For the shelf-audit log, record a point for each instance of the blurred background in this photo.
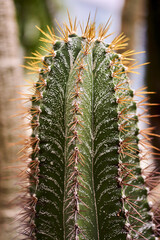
(138, 19)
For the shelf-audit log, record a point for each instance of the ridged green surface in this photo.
(90, 185)
(50, 191)
(86, 220)
(106, 143)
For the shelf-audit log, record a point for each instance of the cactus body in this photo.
(85, 176)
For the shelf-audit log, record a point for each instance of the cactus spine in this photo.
(84, 155)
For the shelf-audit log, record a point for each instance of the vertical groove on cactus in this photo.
(84, 172)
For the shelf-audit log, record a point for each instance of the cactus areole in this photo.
(84, 175)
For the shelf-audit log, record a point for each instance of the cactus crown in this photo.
(83, 156)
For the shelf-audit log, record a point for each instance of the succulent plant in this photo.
(83, 177)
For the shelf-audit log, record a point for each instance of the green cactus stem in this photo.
(84, 151)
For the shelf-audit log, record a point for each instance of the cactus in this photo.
(84, 153)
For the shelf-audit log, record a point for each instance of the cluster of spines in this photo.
(29, 152)
(148, 154)
(31, 146)
(128, 146)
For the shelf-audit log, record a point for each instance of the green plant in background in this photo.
(84, 153)
(30, 12)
